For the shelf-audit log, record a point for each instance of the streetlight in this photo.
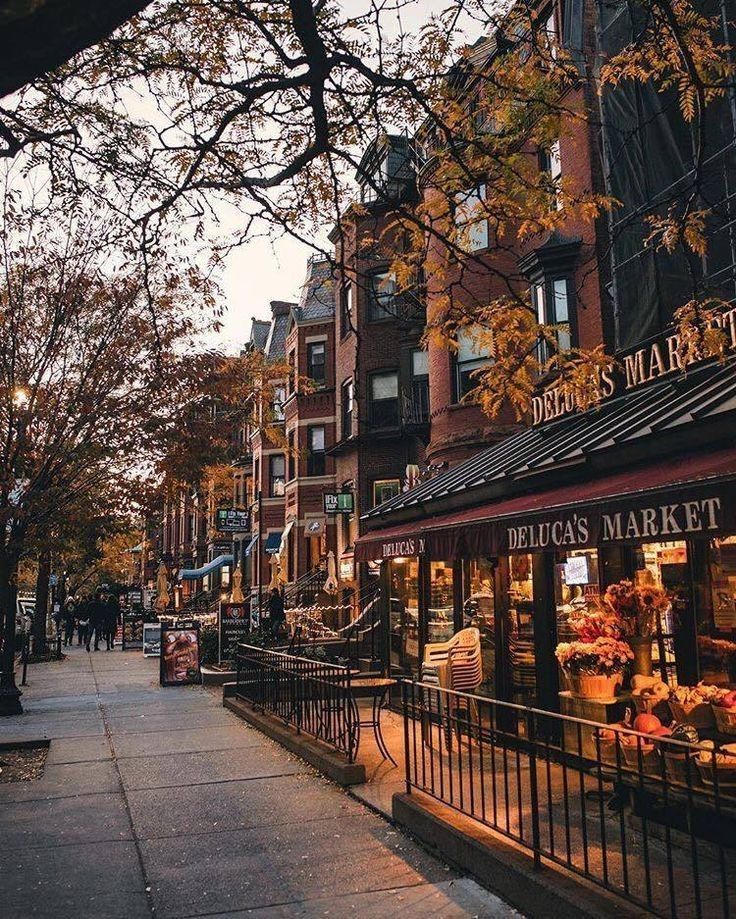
(21, 398)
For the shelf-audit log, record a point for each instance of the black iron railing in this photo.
(312, 696)
(647, 818)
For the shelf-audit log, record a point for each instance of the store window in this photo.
(440, 616)
(577, 587)
(385, 489)
(471, 356)
(479, 613)
(521, 614)
(471, 224)
(716, 615)
(404, 617)
(384, 407)
(551, 302)
(276, 475)
(381, 296)
(316, 369)
(316, 461)
(347, 399)
(665, 564)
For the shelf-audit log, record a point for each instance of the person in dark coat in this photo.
(96, 620)
(70, 609)
(83, 620)
(112, 614)
(276, 613)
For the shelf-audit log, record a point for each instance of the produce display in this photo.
(688, 696)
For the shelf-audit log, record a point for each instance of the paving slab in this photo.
(171, 721)
(230, 737)
(258, 867)
(202, 768)
(237, 805)
(100, 880)
(64, 821)
(449, 900)
(78, 750)
(49, 728)
(64, 781)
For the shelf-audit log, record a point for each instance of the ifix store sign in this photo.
(645, 365)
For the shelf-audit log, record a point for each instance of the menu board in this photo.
(151, 639)
(180, 655)
(132, 631)
(234, 626)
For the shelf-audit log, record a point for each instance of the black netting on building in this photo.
(651, 156)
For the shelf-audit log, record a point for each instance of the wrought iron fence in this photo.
(650, 819)
(313, 696)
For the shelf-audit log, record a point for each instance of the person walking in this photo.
(70, 609)
(276, 613)
(83, 621)
(112, 614)
(96, 620)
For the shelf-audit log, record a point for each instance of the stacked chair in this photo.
(453, 664)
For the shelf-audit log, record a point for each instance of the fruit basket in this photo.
(680, 771)
(725, 719)
(648, 762)
(699, 713)
(720, 766)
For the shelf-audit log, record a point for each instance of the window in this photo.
(346, 309)
(381, 296)
(471, 356)
(316, 361)
(347, 398)
(550, 162)
(418, 407)
(472, 226)
(385, 399)
(385, 489)
(550, 300)
(279, 396)
(276, 475)
(316, 450)
(292, 459)
(291, 382)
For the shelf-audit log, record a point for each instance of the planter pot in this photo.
(642, 648)
(590, 686)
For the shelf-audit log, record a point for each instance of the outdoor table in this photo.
(376, 688)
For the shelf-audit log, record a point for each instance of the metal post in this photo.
(533, 790)
(26, 649)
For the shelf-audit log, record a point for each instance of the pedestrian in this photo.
(96, 620)
(83, 621)
(276, 614)
(112, 615)
(70, 609)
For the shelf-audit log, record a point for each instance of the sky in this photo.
(262, 270)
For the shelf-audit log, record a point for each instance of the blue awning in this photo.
(251, 545)
(273, 543)
(192, 574)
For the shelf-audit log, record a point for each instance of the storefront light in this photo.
(399, 561)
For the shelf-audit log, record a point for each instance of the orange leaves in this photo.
(673, 230)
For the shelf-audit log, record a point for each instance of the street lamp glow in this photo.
(21, 398)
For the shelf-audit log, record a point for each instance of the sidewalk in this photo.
(158, 802)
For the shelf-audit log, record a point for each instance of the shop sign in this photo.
(180, 655)
(232, 520)
(151, 639)
(339, 503)
(403, 548)
(638, 368)
(347, 569)
(233, 625)
(315, 527)
(132, 631)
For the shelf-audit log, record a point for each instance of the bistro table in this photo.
(376, 688)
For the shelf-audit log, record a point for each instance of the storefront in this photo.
(518, 567)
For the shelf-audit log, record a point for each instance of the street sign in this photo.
(53, 580)
(340, 503)
(232, 520)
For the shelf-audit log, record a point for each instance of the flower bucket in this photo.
(594, 686)
(642, 648)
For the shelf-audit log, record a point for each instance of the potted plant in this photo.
(637, 609)
(594, 669)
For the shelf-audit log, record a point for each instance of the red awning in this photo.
(559, 518)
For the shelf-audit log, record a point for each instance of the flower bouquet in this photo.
(594, 668)
(637, 608)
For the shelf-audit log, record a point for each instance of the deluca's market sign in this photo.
(645, 365)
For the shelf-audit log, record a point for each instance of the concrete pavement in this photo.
(158, 802)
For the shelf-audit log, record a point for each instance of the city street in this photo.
(158, 802)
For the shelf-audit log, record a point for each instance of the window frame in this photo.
(274, 478)
(546, 285)
(346, 430)
(316, 459)
(373, 402)
(465, 368)
(478, 235)
(312, 346)
(347, 308)
(375, 309)
(384, 482)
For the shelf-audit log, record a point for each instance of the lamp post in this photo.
(9, 692)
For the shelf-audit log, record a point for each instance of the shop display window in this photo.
(716, 614)
(521, 630)
(577, 586)
(440, 619)
(404, 614)
(665, 564)
(479, 612)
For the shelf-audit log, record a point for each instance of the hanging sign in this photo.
(232, 520)
(180, 655)
(339, 503)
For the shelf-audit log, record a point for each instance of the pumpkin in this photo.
(646, 724)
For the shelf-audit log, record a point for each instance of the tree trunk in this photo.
(8, 605)
(42, 602)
